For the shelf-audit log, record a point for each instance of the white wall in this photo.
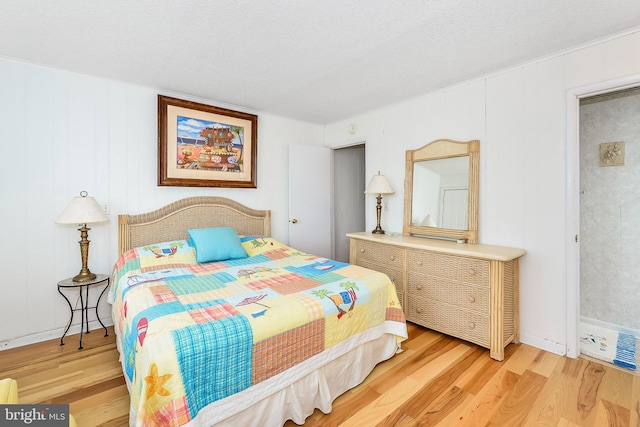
(520, 118)
(62, 133)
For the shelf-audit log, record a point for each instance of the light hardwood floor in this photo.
(436, 381)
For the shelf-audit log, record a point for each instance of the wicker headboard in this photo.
(172, 221)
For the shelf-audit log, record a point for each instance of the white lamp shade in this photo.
(428, 221)
(379, 185)
(82, 210)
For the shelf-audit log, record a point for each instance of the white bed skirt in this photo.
(317, 389)
(297, 392)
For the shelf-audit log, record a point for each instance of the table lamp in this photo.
(83, 210)
(379, 185)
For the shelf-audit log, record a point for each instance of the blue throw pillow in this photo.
(216, 244)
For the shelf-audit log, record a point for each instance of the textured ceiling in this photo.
(316, 61)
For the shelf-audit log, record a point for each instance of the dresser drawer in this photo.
(467, 325)
(470, 297)
(387, 255)
(468, 270)
(394, 274)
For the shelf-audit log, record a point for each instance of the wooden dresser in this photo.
(467, 291)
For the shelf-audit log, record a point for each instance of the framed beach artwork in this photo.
(201, 145)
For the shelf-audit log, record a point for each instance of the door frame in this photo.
(573, 98)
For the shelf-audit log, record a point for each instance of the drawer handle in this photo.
(472, 299)
(362, 250)
(419, 287)
(392, 258)
(419, 310)
(472, 325)
(472, 271)
(420, 263)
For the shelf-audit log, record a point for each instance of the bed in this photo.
(218, 323)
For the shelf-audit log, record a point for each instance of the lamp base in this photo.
(84, 276)
(378, 229)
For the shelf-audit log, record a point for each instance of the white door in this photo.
(454, 208)
(310, 199)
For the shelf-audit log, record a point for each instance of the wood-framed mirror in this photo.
(441, 189)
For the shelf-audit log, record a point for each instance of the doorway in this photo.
(348, 197)
(586, 224)
(326, 198)
(609, 207)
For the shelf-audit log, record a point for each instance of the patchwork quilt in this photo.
(193, 333)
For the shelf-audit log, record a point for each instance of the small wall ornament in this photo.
(612, 154)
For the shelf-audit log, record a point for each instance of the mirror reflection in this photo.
(441, 193)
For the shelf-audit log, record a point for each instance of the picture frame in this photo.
(201, 145)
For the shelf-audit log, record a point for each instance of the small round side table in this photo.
(84, 302)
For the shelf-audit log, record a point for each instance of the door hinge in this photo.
(576, 238)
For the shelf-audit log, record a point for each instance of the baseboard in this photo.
(543, 344)
(48, 335)
(611, 326)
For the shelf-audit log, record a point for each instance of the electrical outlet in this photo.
(107, 211)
